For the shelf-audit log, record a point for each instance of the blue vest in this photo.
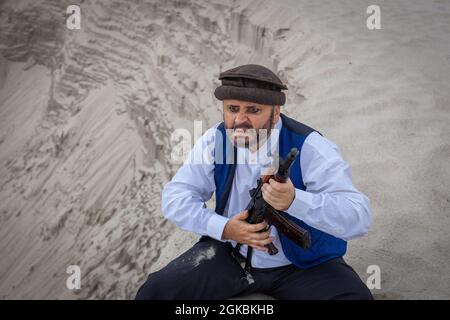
(293, 133)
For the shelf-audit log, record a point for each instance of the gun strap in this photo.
(248, 259)
(245, 264)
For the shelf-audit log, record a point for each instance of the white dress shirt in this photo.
(330, 203)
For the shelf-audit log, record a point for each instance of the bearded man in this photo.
(319, 196)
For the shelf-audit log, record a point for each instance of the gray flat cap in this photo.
(251, 82)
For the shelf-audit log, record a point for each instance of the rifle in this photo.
(260, 210)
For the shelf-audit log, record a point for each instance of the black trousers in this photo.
(208, 271)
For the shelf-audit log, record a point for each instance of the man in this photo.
(319, 196)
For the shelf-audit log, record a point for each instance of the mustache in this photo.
(243, 126)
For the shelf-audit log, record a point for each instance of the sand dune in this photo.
(87, 115)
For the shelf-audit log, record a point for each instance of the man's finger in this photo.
(260, 235)
(269, 198)
(272, 191)
(257, 227)
(261, 243)
(266, 241)
(259, 248)
(242, 215)
(275, 185)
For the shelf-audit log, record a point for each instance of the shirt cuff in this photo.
(215, 226)
(302, 203)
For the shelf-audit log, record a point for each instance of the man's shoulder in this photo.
(314, 139)
(322, 146)
(296, 126)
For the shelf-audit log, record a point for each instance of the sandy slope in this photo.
(86, 119)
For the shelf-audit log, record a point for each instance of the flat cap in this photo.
(251, 82)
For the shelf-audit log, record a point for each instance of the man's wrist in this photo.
(292, 201)
(215, 226)
(301, 204)
(225, 235)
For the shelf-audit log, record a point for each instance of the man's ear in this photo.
(276, 114)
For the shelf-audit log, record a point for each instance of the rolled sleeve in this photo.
(303, 201)
(215, 226)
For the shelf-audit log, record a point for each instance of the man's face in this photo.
(247, 119)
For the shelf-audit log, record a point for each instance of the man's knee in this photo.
(151, 289)
(164, 285)
(360, 292)
(364, 294)
(332, 280)
(181, 277)
(352, 286)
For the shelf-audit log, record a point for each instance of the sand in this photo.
(87, 116)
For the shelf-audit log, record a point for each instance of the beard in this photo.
(244, 135)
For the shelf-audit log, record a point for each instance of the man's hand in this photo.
(239, 230)
(279, 195)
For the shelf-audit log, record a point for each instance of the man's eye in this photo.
(254, 110)
(234, 109)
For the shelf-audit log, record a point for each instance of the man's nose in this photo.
(240, 118)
